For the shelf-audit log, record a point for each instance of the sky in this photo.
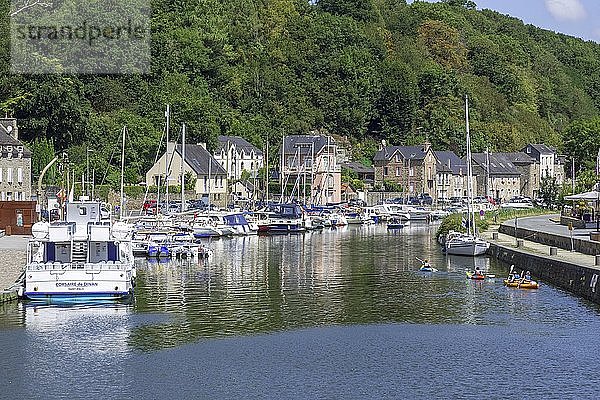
(579, 18)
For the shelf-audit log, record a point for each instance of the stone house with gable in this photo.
(15, 163)
(411, 167)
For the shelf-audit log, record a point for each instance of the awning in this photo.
(588, 196)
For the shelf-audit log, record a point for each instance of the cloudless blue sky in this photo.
(579, 18)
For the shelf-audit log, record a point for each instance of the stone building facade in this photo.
(15, 163)
(411, 167)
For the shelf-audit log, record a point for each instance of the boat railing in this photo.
(60, 266)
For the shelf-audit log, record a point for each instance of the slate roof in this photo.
(199, 158)
(293, 143)
(448, 161)
(239, 142)
(519, 158)
(407, 152)
(6, 139)
(542, 148)
(500, 163)
(358, 167)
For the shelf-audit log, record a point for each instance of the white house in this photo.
(211, 178)
(236, 155)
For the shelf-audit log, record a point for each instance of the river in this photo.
(337, 314)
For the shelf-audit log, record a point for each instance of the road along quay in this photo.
(573, 271)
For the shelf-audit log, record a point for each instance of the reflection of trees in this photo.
(265, 284)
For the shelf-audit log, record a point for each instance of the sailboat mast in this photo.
(122, 176)
(167, 160)
(183, 168)
(470, 218)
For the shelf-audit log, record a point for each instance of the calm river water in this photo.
(338, 314)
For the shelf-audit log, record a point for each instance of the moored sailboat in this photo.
(467, 244)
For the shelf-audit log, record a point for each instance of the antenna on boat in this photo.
(122, 205)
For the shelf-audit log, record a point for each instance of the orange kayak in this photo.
(522, 284)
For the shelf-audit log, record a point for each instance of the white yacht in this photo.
(467, 244)
(464, 244)
(82, 258)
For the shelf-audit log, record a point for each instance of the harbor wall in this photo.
(579, 280)
(585, 246)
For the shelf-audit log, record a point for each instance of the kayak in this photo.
(472, 275)
(522, 285)
(427, 269)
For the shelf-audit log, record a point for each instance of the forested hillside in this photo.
(365, 69)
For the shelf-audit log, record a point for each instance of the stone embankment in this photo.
(12, 262)
(548, 254)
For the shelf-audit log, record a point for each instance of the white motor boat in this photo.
(81, 259)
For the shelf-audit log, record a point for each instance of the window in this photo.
(411, 171)
(1, 179)
(385, 171)
(82, 210)
(2, 196)
(8, 196)
(398, 171)
(20, 175)
(9, 175)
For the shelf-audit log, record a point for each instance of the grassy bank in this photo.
(455, 221)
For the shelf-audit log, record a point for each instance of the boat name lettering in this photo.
(76, 284)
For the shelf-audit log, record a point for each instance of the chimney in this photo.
(426, 146)
(10, 125)
(170, 147)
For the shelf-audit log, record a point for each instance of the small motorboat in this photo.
(522, 284)
(475, 276)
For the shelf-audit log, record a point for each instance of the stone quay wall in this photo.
(580, 245)
(579, 280)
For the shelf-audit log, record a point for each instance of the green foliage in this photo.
(549, 191)
(390, 186)
(368, 70)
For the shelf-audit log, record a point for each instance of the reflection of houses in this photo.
(497, 176)
(451, 175)
(309, 165)
(15, 163)
(411, 167)
(211, 178)
(236, 155)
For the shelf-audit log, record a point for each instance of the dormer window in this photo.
(528, 150)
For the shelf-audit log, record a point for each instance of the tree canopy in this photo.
(368, 70)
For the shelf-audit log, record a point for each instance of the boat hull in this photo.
(72, 283)
(522, 285)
